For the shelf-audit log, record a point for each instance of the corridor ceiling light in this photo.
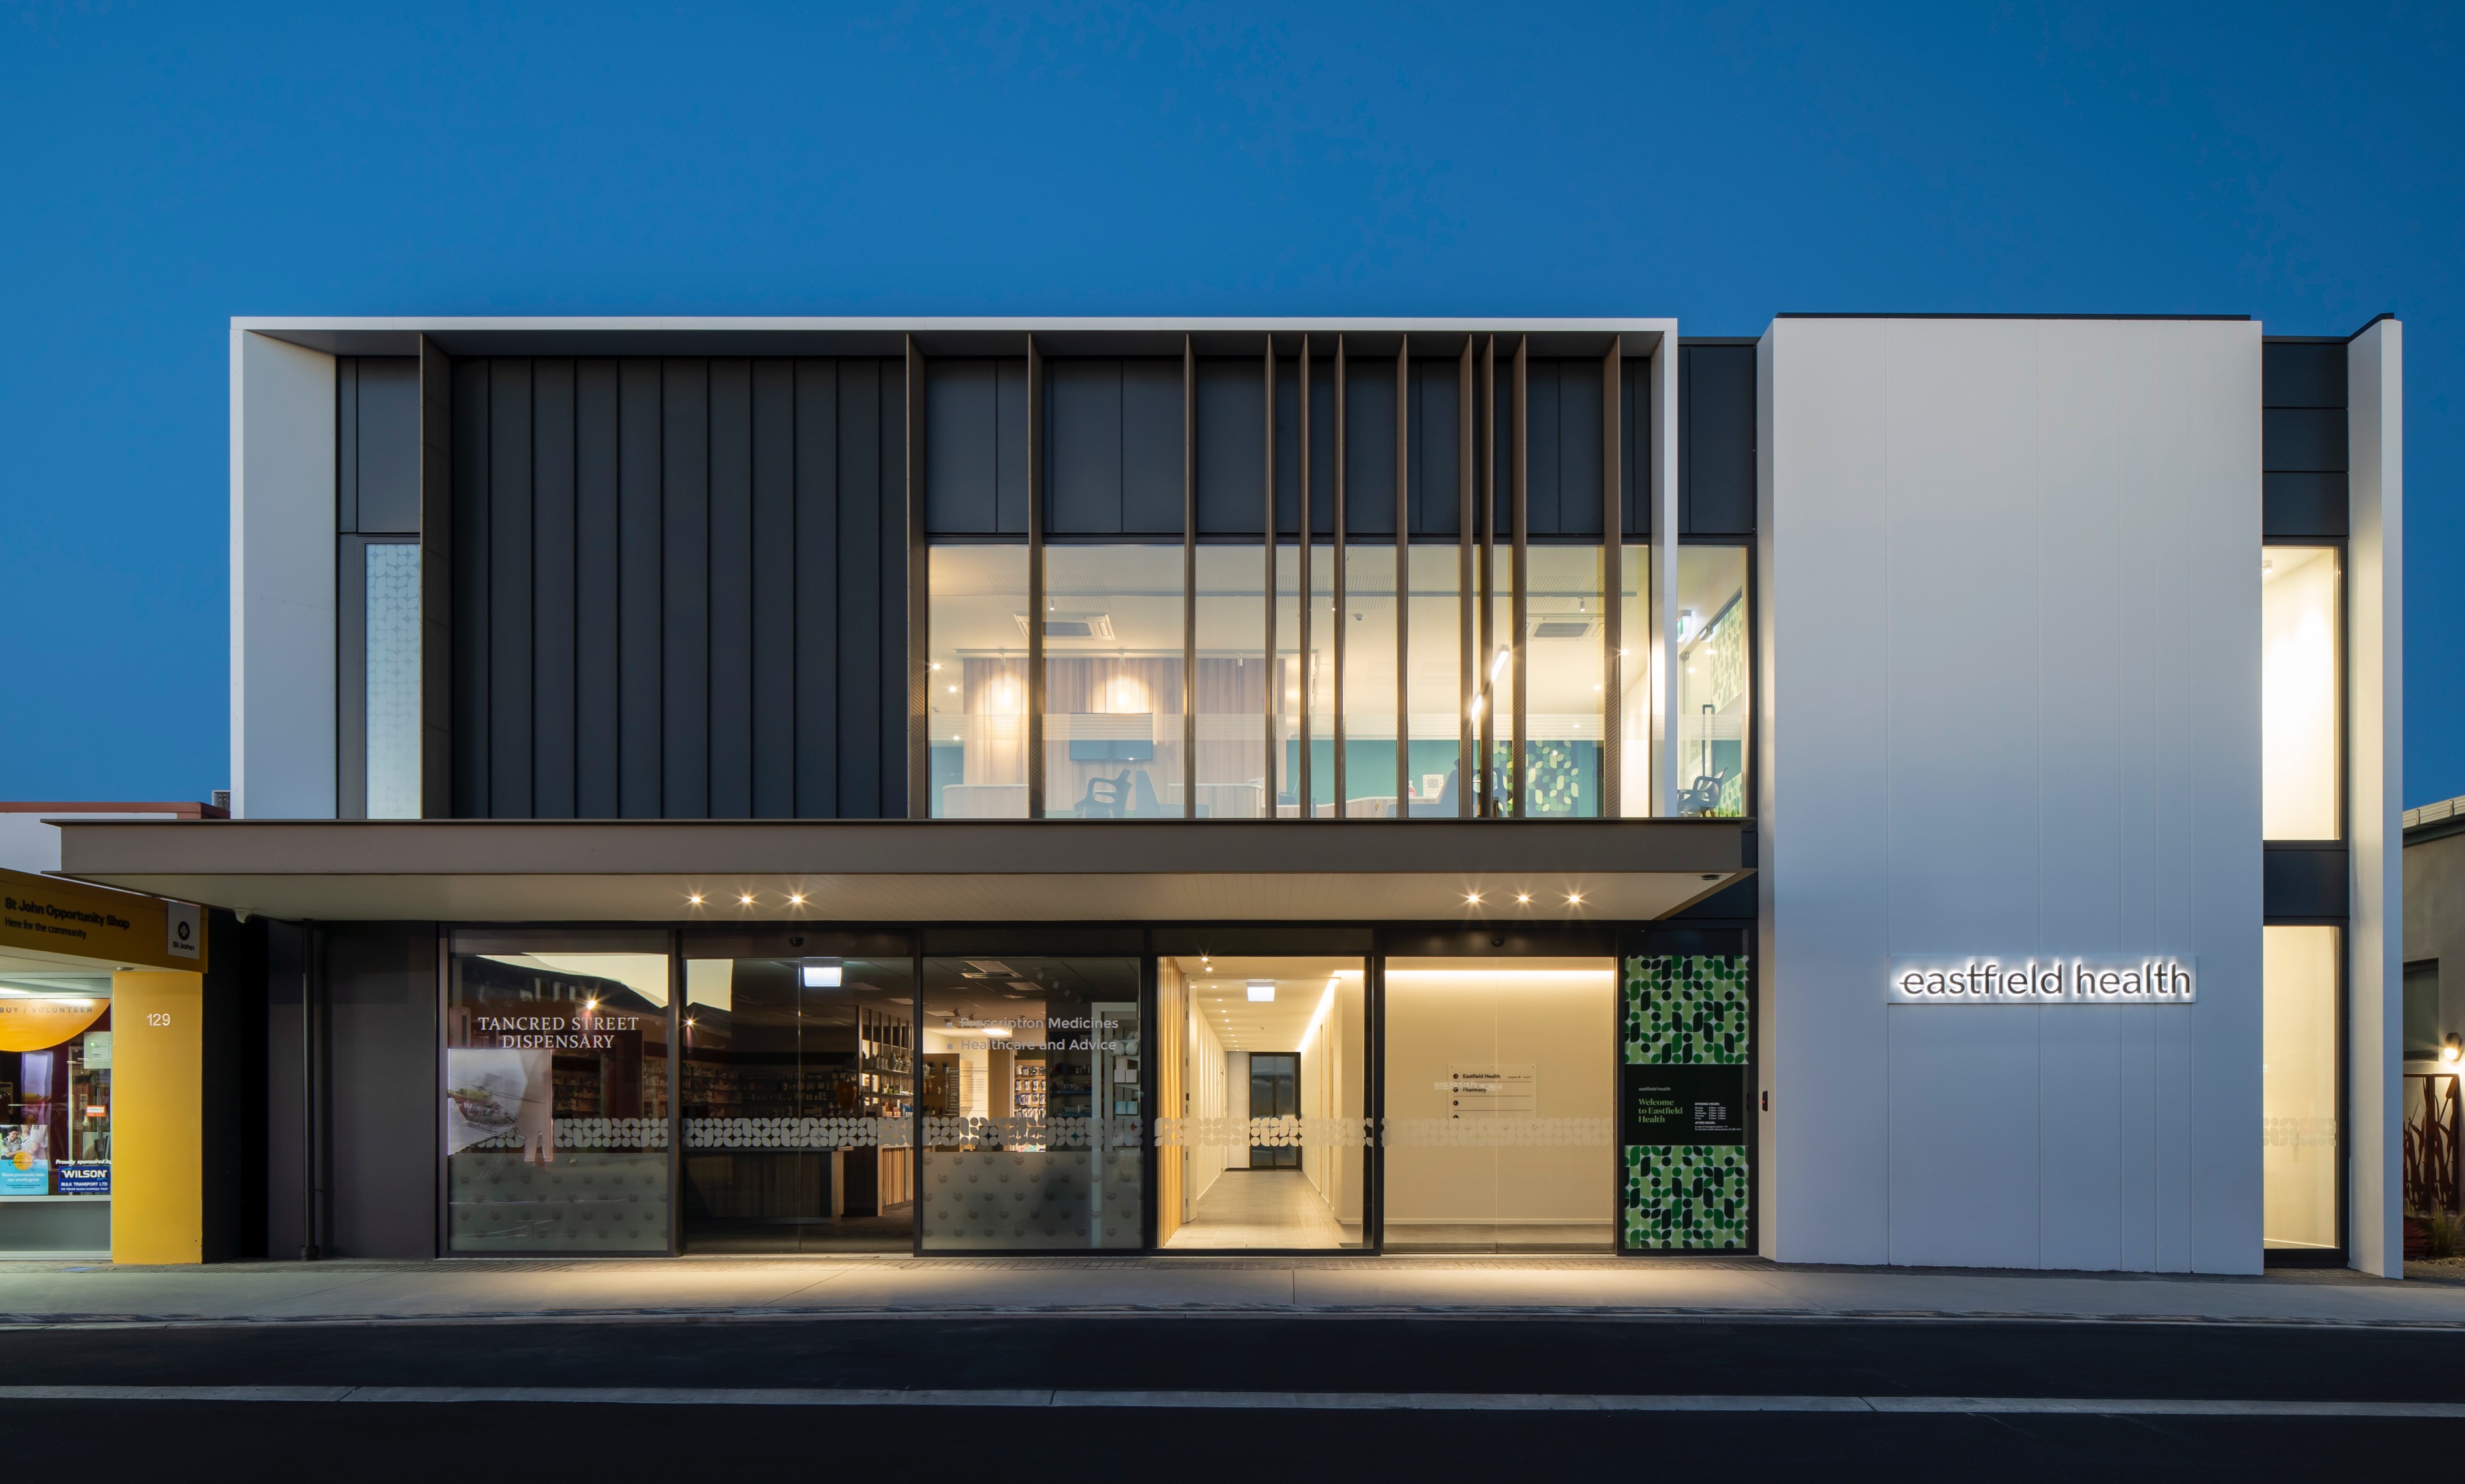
(823, 976)
(1574, 899)
(1498, 667)
(744, 899)
(1262, 990)
(796, 898)
(1472, 899)
(693, 898)
(1523, 898)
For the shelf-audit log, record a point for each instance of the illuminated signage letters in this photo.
(2042, 979)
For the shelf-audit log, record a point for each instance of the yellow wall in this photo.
(157, 1139)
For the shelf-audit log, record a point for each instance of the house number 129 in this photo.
(158, 1017)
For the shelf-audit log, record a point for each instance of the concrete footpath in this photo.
(55, 1293)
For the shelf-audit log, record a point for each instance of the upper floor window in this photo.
(2299, 692)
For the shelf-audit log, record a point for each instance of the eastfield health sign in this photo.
(2042, 979)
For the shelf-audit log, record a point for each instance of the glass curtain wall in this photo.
(1435, 683)
(556, 1092)
(1370, 698)
(1113, 682)
(2300, 768)
(1285, 696)
(1637, 735)
(1565, 683)
(798, 1086)
(1495, 702)
(977, 673)
(1030, 1087)
(1230, 771)
(1265, 1133)
(1499, 1099)
(2299, 1087)
(1711, 700)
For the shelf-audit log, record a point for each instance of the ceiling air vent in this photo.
(1562, 627)
(1072, 626)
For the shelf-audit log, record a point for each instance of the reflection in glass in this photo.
(1500, 1095)
(1637, 736)
(1230, 771)
(1712, 702)
(1370, 698)
(977, 677)
(1030, 1088)
(1563, 683)
(1285, 695)
(1438, 699)
(1496, 678)
(797, 1086)
(2298, 629)
(1267, 1147)
(1112, 682)
(556, 1092)
(2299, 1085)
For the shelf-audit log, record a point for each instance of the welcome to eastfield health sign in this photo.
(2042, 980)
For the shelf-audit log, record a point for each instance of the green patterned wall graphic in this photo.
(1686, 1010)
(1685, 1196)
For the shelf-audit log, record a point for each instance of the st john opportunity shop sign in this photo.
(2041, 979)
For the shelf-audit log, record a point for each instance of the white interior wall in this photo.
(2009, 704)
(1236, 1104)
(282, 544)
(2375, 726)
(1205, 1090)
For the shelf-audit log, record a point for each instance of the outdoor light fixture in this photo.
(822, 976)
(744, 899)
(1472, 899)
(796, 898)
(2453, 1047)
(1523, 898)
(1263, 989)
(1574, 899)
(695, 899)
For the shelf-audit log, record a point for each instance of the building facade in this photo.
(830, 786)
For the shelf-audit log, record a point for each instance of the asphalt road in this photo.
(366, 1441)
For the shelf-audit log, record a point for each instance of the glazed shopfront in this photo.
(781, 1089)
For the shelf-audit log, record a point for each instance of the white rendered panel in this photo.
(283, 579)
(2011, 697)
(2375, 698)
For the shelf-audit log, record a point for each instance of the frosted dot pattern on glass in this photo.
(393, 681)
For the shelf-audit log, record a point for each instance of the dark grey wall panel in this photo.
(684, 578)
(1715, 453)
(554, 608)
(861, 586)
(347, 444)
(1437, 453)
(2303, 440)
(595, 628)
(962, 447)
(1578, 509)
(1232, 444)
(1370, 446)
(379, 1084)
(1539, 448)
(638, 589)
(1151, 447)
(2302, 373)
(1288, 436)
(470, 542)
(731, 589)
(1009, 463)
(2304, 880)
(509, 590)
(685, 592)
(817, 607)
(1082, 418)
(389, 445)
(1635, 447)
(774, 589)
(2303, 505)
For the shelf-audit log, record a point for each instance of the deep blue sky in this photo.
(168, 167)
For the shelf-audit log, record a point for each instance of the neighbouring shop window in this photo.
(798, 1089)
(1501, 1104)
(2299, 768)
(1263, 1127)
(977, 674)
(2299, 1098)
(56, 1085)
(2425, 1036)
(1712, 669)
(1112, 682)
(1030, 1091)
(393, 680)
(556, 1092)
